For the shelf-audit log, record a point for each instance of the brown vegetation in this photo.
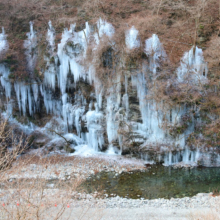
(179, 24)
(30, 198)
(11, 145)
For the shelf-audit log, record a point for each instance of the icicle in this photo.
(50, 77)
(154, 49)
(95, 137)
(64, 60)
(193, 67)
(126, 84)
(52, 106)
(4, 71)
(35, 91)
(112, 120)
(131, 38)
(25, 97)
(51, 36)
(30, 104)
(50, 72)
(72, 45)
(3, 41)
(23, 91)
(125, 99)
(30, 46)
(104, 28)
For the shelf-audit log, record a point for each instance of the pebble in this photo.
(69, 170)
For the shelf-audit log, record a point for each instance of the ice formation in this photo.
(94, 136)
(6, 84)
(98, 118)
(193, 67)
(132, 38)
(169, 158)
(51, 37)
(25, 98)
(151, 112)
(3, 41)
(30, 46)
(185, 156)
(104, 29)
(4, 73)
(154, 49)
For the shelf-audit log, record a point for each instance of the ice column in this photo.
(51, 36)
(50, 72)
(95, 137)
(186, 156)
(3, 41)
(132, 39)
(27, 96)
(104, 28)
(151, 111)
(113, 117)
(193, 67)
(114, 97)
(30, 45)
(154, 49)
(4, 72)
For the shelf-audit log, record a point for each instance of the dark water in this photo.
(158, 182)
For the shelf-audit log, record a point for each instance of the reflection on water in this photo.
(157, 182)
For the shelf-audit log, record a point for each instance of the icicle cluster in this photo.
(193, 68)
(64, 70)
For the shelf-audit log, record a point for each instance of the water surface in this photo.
(157, 182)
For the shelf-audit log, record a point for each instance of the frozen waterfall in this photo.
(98, 115)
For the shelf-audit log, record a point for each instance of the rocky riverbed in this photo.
(70, 169)
(88, 206)
(64, 167)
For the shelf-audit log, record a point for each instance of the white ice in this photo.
(193, 67)
(154, 49)
(3, 41)
(30, 46)
(132, 39)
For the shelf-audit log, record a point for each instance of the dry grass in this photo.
(212, 214)
(29, 198)
(33, 199)
(176, 22)
(205, 216)
(17, 144)
(179, 24)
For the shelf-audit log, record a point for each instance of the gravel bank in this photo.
(105, 207)
(65, 168)
(87, 206)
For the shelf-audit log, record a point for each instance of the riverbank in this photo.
(99, 205)
(67, 167)
(85, 206)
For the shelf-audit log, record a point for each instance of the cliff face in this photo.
(104, 89)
